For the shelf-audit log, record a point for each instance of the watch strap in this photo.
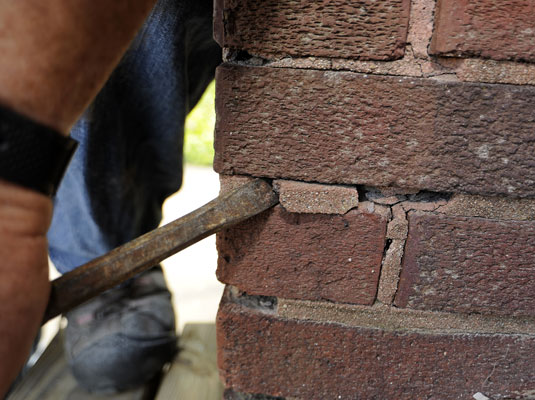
(31, 154)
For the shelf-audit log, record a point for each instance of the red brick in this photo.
(344, 127)
(305, 256)
(262, 353)
(464, 264)
(500, 30)
(366, 29)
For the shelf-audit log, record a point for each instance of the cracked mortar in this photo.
(397, 231)
(456, 205)
(393, 204)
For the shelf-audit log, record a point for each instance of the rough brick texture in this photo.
(313, 198)
(305, 256)
(344, 127)
(364, 29)
(501, 30)
(263, 353)
(466, 264)
(424, 289)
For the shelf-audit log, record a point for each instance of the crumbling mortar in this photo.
(243, 58)
(408, 66)
(392, 258)
(397, 231)
(445, 69)
(263, 304)
(413, 64)
(394, 204)
(441, 68)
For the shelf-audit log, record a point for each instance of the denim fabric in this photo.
(130, 154)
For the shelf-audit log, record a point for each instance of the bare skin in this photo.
(56, 55)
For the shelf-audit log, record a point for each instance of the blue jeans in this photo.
(130, 155)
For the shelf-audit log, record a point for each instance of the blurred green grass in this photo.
(199, 132)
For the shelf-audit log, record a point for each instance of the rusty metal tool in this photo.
(128, 260)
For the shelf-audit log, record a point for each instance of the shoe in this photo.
(121, 339)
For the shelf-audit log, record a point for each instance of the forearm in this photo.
(56, 55)
(24, 287)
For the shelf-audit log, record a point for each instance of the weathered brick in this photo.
(345, 127)
(264, 353)
(313, 198)
(364, 29)
(464, 264)
(500, 30)
(305, 256)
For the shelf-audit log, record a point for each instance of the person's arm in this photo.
(56, 55)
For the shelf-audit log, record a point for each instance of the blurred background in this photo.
(191, 273)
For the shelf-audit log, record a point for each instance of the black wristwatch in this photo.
(31, 154)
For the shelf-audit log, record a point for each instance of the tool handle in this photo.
(132, 258)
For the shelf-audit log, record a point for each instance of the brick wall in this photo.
(400, 137)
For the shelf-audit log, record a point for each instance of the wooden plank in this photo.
(50, 379)
(194, 374)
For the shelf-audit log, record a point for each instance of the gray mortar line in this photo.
(392, 319)
(387, 287)
(395, 243)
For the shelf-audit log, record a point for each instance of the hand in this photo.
(50, 52)
(25, 216)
